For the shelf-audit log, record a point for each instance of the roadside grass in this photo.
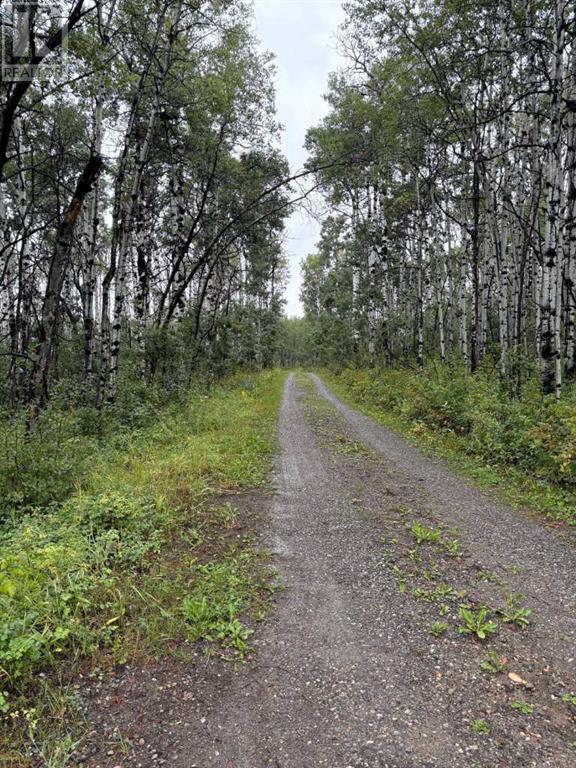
(137, 561)
(525, 451)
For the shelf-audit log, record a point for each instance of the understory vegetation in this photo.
(526, 447)
(118, 540)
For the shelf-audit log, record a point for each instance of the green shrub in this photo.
(441, 402)
(42, 468)
(555, 438)
(52, 567)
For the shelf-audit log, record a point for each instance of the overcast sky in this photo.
(301, 34)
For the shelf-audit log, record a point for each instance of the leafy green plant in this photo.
(522, 706)
(452, 547)
(438, 628)
(492, 577)
(222, 591)
(480, 726)
(513, 613)
(224, 515)
(424, 535)
(493, 663)
(351, 447)
(440, 593)
(400, 579)
(569, 698)
(443, 592)
(476, 622)
(414, 556)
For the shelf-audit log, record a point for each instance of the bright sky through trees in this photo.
(302, 36)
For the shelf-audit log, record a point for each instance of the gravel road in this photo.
(346, 673)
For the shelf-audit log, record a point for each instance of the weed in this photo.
(193, 538)
(423, 534)
(480, 726)
(57, 755)
(569, 698)
(476, 623)
(400, 578)
(513, 613)
(522, 706)
(438, 628)
(350, 447)
(441, 593)
(225, 516)
(489, 576)
(414, 556)
(452, 547)
(444, 592)
(494, 663)
(211, 611)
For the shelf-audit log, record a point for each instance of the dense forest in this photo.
(142, 200)
(453, 235)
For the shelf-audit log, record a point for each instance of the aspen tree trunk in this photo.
(449, 288)
(437, 265)
(500, 207)
(551, 272)
(419, 280)
(22, 311)
(383, 235)
(475, 254)
(176, 227)
(569, 217)
(92, 222)
(372, 269)
(6, 299)
(463, 302)
(403, 303)
(56, 277)
(141, 255)
(355, 278)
